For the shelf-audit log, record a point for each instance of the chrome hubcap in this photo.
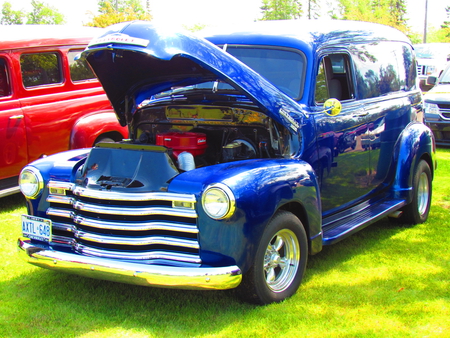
(281, 260)
(423, 194)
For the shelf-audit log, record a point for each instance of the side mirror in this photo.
(332, 107)
(431, 80)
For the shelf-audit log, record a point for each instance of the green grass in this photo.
(385, 281)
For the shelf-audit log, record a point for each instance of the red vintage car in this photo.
(49, 101)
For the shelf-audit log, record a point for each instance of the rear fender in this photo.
(415, 143)
(88, 129)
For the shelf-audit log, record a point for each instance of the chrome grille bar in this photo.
(148, 255)
(141, 226)
(133, 211)
(137, 241)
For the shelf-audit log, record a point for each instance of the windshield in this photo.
(432, 51)
(283, 68)
(445, 77)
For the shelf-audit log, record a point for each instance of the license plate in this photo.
(37, 228)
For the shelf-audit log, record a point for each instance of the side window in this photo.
(79, 70)
(5, 86)
(380, 69)
(40, 69)
(334, 78)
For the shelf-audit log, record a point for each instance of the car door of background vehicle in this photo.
(13, 146)
(342, 162)
(53, 99)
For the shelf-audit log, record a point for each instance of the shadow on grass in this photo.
(43, 302)
(11, 202)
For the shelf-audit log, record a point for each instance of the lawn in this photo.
(385, 281)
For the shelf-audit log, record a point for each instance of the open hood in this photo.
(137, 60)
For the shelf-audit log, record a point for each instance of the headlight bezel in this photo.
(431, 108)
(225, 211)
(38, 182)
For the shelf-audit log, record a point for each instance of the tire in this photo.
(417, 211)
(279, 263)
(104, 139)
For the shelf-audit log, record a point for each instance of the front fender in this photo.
(415, 143)
(59, 167)
(88, 128)
(261, 187)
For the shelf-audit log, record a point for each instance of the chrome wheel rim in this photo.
(423, 194)
(281, 260)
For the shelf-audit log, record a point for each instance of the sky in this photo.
(207, 12)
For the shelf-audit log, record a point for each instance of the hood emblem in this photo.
(120, 38)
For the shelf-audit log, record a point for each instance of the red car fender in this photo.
(90, 129)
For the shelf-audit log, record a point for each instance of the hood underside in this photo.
(135, 61)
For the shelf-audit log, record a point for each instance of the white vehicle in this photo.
(431, 61)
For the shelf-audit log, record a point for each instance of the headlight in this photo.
(31, 182)
(431, 108)
(218, 201)
(431, 70)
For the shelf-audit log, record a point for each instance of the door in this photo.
(342, 162)
(13, 146)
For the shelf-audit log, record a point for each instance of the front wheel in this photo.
(417, 211)
(279, 263)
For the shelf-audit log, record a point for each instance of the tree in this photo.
(115, 11)
(445, 27)
(281, 9)
(10, 17)
(387, 12)
(43, 14)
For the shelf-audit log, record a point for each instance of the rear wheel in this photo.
(279, 263)
(417, 211)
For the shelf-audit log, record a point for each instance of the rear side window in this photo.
(40, 69)
(5, 87)
(383, 68)
(79, 70)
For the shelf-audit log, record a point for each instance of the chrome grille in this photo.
(148, 227)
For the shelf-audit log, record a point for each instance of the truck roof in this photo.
(293, 33)
(24, 36)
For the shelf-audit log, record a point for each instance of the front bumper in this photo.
(215, 278)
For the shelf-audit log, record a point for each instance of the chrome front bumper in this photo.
(214, 278)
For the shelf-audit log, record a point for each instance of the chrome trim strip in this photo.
(136, 211)
(60, 199)
(135, 197)
(215, 278)
(61, 240)
(137, 241)
(60, 213)
(135, 226)
(147, 255)
(63, 227)
(60, 185)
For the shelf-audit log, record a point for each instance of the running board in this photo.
(339, 228)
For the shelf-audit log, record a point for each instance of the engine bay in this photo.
(198, 136)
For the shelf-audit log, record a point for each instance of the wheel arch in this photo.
(416, 143)
(314, 239)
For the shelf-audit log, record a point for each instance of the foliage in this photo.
(281, 9)
(388, 12)
(115, 11)
(445, 27)
(10, 17)
(42, 14)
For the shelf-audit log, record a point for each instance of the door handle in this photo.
(16, 117)
(359, 114)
